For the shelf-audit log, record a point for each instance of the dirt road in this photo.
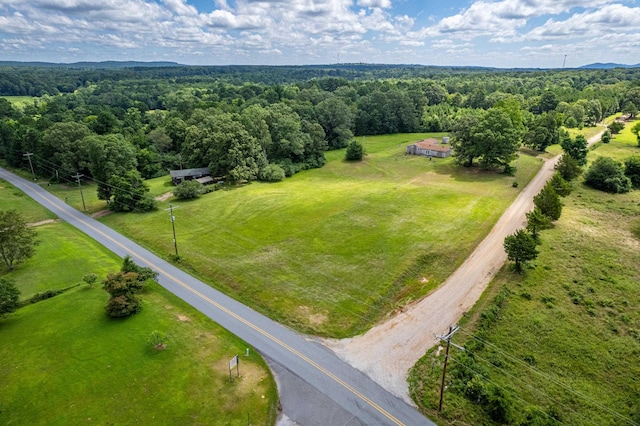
(388, 350)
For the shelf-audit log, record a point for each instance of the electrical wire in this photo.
(549, 378)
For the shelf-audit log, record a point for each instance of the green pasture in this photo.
(20, 101)
(65, 362)
(70, 192)
(13, 198)
(70, 253)
(565, 342)
(332, 250)
(587, 132)
(622, 145)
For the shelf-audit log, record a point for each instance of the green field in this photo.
(20, 101)
(13, 198)
(65, 362)
(332, 250)
(564, 343)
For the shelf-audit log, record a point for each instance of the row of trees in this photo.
(121, 126)
(521, 247)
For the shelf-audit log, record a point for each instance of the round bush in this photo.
(606, 174)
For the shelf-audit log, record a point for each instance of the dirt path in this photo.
(388, 350)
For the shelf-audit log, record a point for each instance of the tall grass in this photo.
(564, 343)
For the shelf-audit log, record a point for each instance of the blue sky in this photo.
(498, 33)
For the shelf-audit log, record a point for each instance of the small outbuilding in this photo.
(429, 148)
(203, 175)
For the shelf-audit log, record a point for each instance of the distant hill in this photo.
(608, 65)
(91, 65)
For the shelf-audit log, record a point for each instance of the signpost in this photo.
(234, 363)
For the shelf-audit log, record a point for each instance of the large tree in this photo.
(130, 193)
(493, 137)
(576, 148)
(543, 131)
(464, 143)
(110, 155)
(336, 119)
(499, 136)
(17, 240)
(220, 141)
(63, 144)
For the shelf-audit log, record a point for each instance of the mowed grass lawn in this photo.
(565, 343)
(65, 362)
(332, 250)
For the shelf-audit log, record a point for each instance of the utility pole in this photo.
(77, 177)
(28, 155)
(173, 226)
(447, 337)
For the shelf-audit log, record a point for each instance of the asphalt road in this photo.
(366, 401)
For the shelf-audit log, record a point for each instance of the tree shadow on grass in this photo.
(469, 174)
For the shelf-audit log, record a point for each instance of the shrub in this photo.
(355, 151)
(548, 202)
(561, 186)
(271, 173)
(157, 340)
(568, 167)
(188, 190)
(615, 127)
(521, 248)
(90, 279)
(606, 174)
(606, 137)
(9, 296)
(632, 170)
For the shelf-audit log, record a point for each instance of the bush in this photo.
(355, 151)
(9, 296)
(632, 170)
(188, 190)
(615, 127)
(157, 340)
(606, 137)
(548, 202)
(560, 185)
(271, 173)
(568, 168)
(123, 306)
(606, 174)
(123, 286)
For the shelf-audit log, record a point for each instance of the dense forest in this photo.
(118, 126)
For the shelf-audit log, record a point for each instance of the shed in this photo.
(429, 148)
(177, 176)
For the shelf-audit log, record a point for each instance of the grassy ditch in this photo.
(559, 344)
(330, 251)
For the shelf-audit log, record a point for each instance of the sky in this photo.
(494, 33)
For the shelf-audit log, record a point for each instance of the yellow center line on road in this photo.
(244, 321)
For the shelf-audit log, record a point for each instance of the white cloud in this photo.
(375, 3)
(304, 31)
(595, 23)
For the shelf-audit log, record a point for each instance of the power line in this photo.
(78, 176)
(547, 377)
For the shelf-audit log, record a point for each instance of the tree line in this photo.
(120, 126)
